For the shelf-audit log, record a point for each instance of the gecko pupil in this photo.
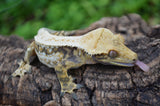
(112, 53)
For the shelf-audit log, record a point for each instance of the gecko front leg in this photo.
(24, 64)
(66, 82)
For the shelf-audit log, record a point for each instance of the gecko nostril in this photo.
(134, 60)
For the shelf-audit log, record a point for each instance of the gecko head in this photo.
(116, 53)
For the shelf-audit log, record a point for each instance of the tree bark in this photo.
(104, 85)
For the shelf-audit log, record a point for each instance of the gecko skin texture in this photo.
(59, 50)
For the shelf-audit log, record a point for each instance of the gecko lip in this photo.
(124, 64)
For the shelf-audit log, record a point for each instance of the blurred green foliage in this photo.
(25, 17)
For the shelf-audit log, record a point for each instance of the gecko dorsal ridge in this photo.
(93, 42)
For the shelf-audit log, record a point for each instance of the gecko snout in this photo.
(134, 58)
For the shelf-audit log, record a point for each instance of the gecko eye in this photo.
(112, 53)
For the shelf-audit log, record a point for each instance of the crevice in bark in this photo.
(90, 93)
(141, 103)
(135, 89)
(45, 95)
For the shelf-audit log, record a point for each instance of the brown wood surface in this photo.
(104, 85)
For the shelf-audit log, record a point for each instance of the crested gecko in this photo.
(58, 50)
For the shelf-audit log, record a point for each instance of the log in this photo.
(104, 85)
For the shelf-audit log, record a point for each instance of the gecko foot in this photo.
(23, 68)
(68, 88)
(67, 84)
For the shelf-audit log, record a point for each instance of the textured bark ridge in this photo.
(104, 85)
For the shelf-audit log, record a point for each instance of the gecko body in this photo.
(58, 50)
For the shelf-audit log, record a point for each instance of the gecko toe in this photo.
(79, 86)
(73, 78)
(62, 94)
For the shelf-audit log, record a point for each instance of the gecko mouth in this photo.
(124, 64)
(138, 63)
